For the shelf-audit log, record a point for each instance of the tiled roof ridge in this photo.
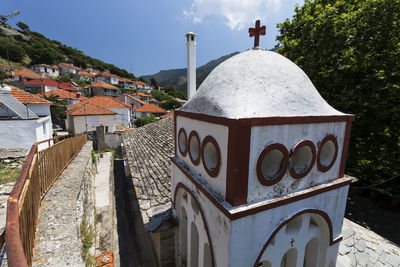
(90, 109)
(25, 97)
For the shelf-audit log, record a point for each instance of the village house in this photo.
(36, 86)
(66, 68)
(87, 116)
(143, 87)
(25, 75)
(24, 118)
(123, 116)
(131, 100)
(49, 71)
(69, 97)
(142, 96)
(85, 76)
(125, 83)
(147, 110)
(107, 77)
(102, 88)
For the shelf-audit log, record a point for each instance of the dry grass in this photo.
(8, 174)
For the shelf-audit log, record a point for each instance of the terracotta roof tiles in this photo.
(89, 109)
(25, 97)
(27, 73)
(63, 94)
(103, 85)
(103, 101)
(151, 108)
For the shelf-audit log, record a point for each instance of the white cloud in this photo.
(237, 14)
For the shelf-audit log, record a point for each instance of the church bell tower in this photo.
(258, 171)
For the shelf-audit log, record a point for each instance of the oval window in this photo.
(327, 153)
(272, 164)
(194, 147)
(302, 159)
(211, 156)
(182, 141)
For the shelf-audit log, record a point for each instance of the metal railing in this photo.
(40, 170)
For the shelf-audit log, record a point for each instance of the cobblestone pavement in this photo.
(57, 241)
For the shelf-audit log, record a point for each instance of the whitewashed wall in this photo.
(123, 117)
(40, 109)
(290, 135)
(23, 133)
(220, 133)
(92, 121)
(218, 224)
(249, 234)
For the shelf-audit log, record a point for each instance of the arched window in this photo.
(183, 232)
(290, 258)
(311, 253)
(207, 256)
(194, 246)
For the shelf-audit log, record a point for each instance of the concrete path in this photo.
(105, 213)
(57, 234)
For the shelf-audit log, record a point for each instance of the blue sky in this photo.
(149, 35)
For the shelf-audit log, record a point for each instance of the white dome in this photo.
(258, 83)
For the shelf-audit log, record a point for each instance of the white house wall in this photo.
(220, 133)
(105, 120)
(290, 135)
(252, 232)
(123, 117)
(218, 224)
(23, 133)
(40, 109)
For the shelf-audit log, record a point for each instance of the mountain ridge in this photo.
(177, 77)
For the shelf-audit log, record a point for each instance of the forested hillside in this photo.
(26, 47)
(351, 52)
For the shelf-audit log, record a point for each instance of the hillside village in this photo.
(91, 98)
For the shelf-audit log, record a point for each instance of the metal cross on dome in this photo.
(256, 32)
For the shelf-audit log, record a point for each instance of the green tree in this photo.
(4, 18)
(351, 51)
(154, 83)
(2, 76)
(146, 120)
(11, 50)
(25, 28)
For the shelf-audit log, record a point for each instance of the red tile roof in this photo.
(141, 83)
(135, 99)
(67, 65)
(25, 97)
(125, 80)
(63, 94)
(89, 109)
(103, 101)
(103, 85)
(169, 114)
(106, 74)
(91, 75)
(151, 108)
(27, 73)
(46, 82)
(141, 94)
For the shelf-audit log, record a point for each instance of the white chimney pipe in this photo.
(191, 64)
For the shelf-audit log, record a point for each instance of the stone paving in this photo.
(148, 150)
(363, 248)
(57, 241)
